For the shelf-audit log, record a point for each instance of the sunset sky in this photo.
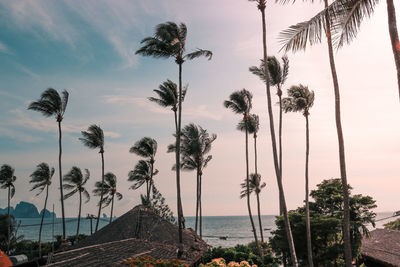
(87, 48)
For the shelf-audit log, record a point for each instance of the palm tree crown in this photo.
(169, 40)
(109, 189)
(168, 95)
(93, 137)
(75, 181)
(141, 174)
(145, 147)
(300, 99)
(277, 73)
(239, 102)
(255, 185)
(50, 103)
(41, 177)
(253, 124)
(7, 178)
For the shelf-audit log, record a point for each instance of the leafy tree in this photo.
(158, 205)
(8, 233)
(141, 174)
(7, 179)
(296, 38)
(94, 138)
(41, 178)
(301, 99)
(261, 5)
(75, 182)
(52, 104)
(240, 103)
(393, 225)
(326, 219)
(169, 41)
(146, 148)
(108, 190)
(253, 125)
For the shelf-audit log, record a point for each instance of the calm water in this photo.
(237, 229)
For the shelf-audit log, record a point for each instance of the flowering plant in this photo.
(148, 261)
(220, 262)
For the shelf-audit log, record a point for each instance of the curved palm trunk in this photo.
(197, 200)
(102, 189)
(112, 208)
(248, 190)
(275, 155)
(60, 171)
(394, 37)
(178, 164)
(308, 227)
(9, 221)
(257, 192)
(41, 222)
(201, 212)
(346, 217)
(151, 180)
(280, 145)
(79, 216)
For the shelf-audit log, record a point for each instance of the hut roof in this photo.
(138, 232)
(383, 246)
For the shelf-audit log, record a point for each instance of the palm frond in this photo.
(12, 190)
(93, 137)
(70, 194)
(199, 53)
(86, 195)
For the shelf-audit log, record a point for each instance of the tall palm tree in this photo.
(253, 125)
(295, 38)
(240, 103)
(301, 99)
(94, 138)
(261, 5)
(75, 182)
(277, 76)
(109, 190)
(52, 104)
(169, 41)
(41, 178)
(352, 12)
(196, 144)
(7, 179)
(141, 174)
(146, 148)
(168, 97)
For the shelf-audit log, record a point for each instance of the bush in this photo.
(150, 261)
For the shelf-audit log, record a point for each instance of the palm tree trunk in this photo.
(147, 192)
(272, 130)
(9, 221)
(41, 222)
(346, 217)
(151, 179)
(79, 216)
(258, 197)
(102, 189)
(178, 165)
(280, 145)
(308, 227)
(60, 171)
(248, 189)
(112, 208)
(201, 212)
(197, 200)
(394, 37)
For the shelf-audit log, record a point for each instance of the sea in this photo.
(224, 231)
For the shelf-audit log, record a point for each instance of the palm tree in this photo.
(295, 38)
(352, 12)
(94, 138)
(255, 186)
(52, 104)
(240, 103)
(261, 4)
(301, 99)
(142, 173)
(277, 77)
(41, 178)
(7, 179)
(75, 182)
(253, 125)
(146, 148)
(109, 190)
(195, 145)
(169, 40)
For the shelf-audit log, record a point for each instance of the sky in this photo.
(88, 48)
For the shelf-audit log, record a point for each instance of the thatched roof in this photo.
(382, 247)
(140, 232)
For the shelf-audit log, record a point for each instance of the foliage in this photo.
(326, 215)
(220, 262)
(239, 253)
(393, 225)
(158, 205)
(150, 261)
(109, 188)
(7, 178)
(4, 233)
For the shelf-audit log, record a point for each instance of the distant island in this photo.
(27, 210)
